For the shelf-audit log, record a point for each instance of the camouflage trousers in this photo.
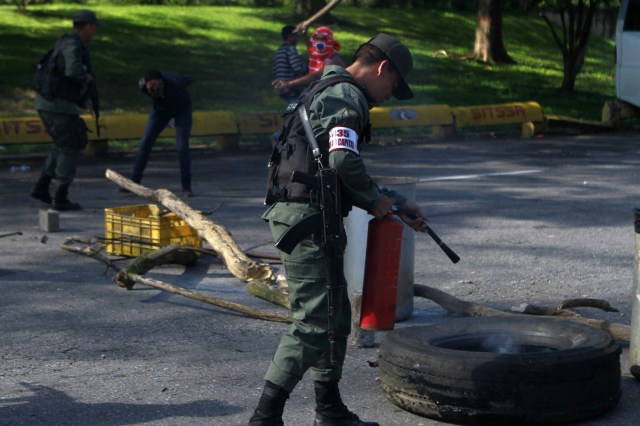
(69, 133)
(305, 345)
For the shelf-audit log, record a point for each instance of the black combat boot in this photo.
(40, 190)
(331, 411)
(61, 202)
(270, 407)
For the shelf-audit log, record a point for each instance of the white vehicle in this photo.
(628, 52)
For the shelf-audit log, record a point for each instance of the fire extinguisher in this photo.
(382, 268)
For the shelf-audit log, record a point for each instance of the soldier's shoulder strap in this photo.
(323, 83)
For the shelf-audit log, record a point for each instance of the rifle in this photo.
(328, 220)
(92, 90)
(95, 103)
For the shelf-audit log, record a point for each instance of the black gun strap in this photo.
(311, 138)
(318, 86)
(303, 110)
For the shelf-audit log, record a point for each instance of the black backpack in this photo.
(46, 76)
(49, 81)
(292, 151)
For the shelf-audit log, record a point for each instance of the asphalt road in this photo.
(534, 221)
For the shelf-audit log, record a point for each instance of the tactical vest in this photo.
(293, 153)
(49, 80)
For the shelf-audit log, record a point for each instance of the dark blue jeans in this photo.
(156, 123)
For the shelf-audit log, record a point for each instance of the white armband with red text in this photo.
(343, 138)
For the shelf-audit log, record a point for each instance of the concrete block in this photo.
(49, 220)
(442, 132)
(227, 142)
(97, 149)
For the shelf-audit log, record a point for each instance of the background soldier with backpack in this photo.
(338, 116)
(63, 83)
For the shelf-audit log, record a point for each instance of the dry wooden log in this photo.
(587, 303)
(455, 305)
(172, 254)
(448, 302)
(452, 304)
(127, 280)
(85, 248)
(277, 293)
(232, 306)
(236, 261)
(565, 307)
(526, 308)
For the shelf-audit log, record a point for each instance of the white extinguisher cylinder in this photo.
(382, 269)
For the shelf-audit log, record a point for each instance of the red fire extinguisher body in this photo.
(382, 268)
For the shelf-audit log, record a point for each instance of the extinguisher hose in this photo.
(397, 209)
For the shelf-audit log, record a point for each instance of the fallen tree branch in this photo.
(457, 306)
(526, 308)
(123, 276)
(452, 304)
(126, 279)
(172, 254)
(85, 248)
(236, 261)
(278, 293)
(586, 303)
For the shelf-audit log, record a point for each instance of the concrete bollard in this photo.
(634, 343)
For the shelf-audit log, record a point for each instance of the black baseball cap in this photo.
(86, 16)
(400, 56)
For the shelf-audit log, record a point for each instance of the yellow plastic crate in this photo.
(135, 230)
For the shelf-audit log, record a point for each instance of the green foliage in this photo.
(228, 52)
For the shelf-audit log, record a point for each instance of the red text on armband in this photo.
(343, 138)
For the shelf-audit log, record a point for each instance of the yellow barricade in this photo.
(411, 116)
(254, 123)
(488, 115)
(132, 126)
(22, 130)
(25, 130)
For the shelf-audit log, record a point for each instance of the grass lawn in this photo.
(228, 52)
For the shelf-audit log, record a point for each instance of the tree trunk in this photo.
(576, 20)
(570, 74)
(489, 46)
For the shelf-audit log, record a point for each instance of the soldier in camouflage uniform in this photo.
(58, 109)
(339, 118)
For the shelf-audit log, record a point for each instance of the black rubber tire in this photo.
(561, 371)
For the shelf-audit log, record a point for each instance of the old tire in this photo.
(556, 372)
